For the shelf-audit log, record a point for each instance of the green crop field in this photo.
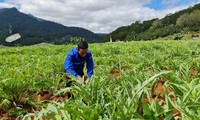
(154, 80)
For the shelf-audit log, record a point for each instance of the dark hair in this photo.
(82, 45)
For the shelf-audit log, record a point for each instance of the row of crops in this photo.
(132, 80)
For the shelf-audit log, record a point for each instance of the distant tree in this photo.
(183, 20)
(195, 17)
(189, 20)
(156, 24)
(131, 36)
(147, 24)
(75, 40)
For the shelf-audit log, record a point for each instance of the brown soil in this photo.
(43, 96)
(158, 94)
(194, 72)
(115, 71)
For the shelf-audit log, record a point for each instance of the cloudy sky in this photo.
(99, 16)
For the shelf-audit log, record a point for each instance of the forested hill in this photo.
(34, 30)
(181, 22)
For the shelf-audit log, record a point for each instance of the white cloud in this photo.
(95, 15)
(6, 5)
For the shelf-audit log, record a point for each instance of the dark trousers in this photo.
(69, 83)
(81, 73)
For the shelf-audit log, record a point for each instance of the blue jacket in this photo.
(74, 64)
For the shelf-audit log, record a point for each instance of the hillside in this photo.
(177, 24)
(35, 30)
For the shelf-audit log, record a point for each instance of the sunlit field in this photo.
(132, 80)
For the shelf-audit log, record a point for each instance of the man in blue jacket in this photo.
(76, 59)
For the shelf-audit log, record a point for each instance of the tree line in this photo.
(179, 22)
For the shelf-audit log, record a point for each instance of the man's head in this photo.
(82, 48)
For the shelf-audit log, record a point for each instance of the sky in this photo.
(98, 16)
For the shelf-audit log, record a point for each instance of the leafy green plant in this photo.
(25, 71)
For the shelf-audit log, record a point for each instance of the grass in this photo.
(125, 73)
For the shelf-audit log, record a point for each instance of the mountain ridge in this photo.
(35, 30)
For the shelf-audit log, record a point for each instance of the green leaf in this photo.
(169, 116)
(146, 109)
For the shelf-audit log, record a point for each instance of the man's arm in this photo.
(90, 65)
(68, 65)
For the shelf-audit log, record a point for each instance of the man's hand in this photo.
(86, 81)
(79, 78)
